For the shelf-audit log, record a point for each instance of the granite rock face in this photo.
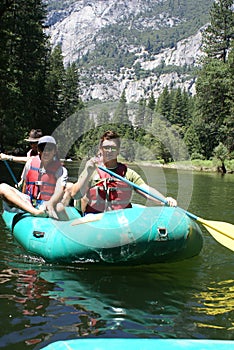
(78, 26)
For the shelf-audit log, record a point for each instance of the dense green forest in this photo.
(37, 91)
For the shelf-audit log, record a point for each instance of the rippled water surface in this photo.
(42, 303)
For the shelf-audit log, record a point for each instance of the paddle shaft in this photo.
(11, 172)
(142, 189)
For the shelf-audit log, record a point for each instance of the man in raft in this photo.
(99, 191)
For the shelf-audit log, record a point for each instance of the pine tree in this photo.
(103, 117)
(151, 102)
(212, 90)
(228, 125)
(71, 96)
(192, 142)
(215, 81)
(140, 114)
(55, 87)
(23, 52)
(121, 113)
(219, 34)
(177, 108)
(163, 106)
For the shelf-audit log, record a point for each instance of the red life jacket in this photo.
(109, 193)
(41, 184)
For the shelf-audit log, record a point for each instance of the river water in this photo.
(42, 303)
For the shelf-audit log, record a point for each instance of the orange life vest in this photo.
(109, 193)
(40, 183)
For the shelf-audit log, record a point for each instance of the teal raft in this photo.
(141, 344)
(134, 236)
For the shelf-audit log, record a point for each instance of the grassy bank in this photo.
(196, 164)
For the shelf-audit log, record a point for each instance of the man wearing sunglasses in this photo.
(98, 191)
(45, 181)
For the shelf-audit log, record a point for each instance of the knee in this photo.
(61, 212)
(3, 188)
(67, 195)
(60, 207)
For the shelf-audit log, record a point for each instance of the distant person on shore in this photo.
(98, 191)
(33, 138)
(45, 181)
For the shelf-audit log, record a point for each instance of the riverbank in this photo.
(194, 165)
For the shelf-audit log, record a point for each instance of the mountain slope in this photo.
(136, 45)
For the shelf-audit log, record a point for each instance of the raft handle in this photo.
(163, 235)
(38, 234)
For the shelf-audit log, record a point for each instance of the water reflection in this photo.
(218, 299)
(214, 313)
(33, 314)
(161, 301)
(23, 291)
(41, 303)
(128, 302)
(28, 287)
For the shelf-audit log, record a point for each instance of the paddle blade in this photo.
(223, 232)
(86, 219)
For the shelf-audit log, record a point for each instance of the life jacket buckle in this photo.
(39, 183)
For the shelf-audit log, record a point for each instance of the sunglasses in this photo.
(46, 147)
(34, 143)
(110, 148)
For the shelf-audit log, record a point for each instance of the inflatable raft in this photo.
(134, 236)
(141, 344)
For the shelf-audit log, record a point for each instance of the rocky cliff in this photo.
(90, 31)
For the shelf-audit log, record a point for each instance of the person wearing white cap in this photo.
(45, 181)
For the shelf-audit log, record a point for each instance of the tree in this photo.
(219, 34)
(212, 92)
(192, 141)
(55, 87)
(23, 52)
(36, 91)
(221, 153)
(103, 117)
(127, 149)
(151, 102)
(215, 80)
(228, 125)
(140, 114)
(71, 96)
(163, 106)
(177, 108)
(121, 113)
(63, 89)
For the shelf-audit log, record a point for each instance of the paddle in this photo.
(222, 232)
(11, 172)
(87, 218)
